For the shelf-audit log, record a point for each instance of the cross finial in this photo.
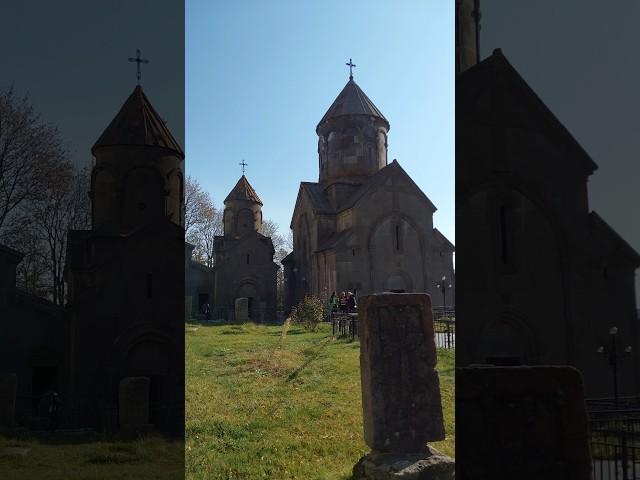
(243, 165)
(350, 65)
(138, 60)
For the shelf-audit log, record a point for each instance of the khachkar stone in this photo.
(188, 305)
(400, 389)
(242, 310)
(521, 422)
(8, 383)
(133, 402)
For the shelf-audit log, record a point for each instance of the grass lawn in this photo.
(262, 406)
(57, 457)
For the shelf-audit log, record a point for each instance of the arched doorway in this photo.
(250, 291)
(506, 342)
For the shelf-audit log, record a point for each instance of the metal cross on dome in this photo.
(350, 65)
(243, 165)
(138, 60)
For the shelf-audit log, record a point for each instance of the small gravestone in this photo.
(401, 403)
(242, 310)
(188, 305)
(521, 422)
(133, 402)
(8, 383)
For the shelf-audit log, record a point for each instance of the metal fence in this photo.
(615, 438)
(444, 326)
(345, 325)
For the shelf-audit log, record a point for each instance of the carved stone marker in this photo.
(242, 310)
(188, 305)
(133, 400)
(401, 403)
(521, 422)
(8, 384)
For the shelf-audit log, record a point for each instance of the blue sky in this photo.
(260, 75)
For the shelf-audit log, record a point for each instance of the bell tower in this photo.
(352, 138)
(138, 176)
(242, 210)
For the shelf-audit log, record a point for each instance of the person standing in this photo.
(351, 302)
(52, 410)
(343, 302)
(333, 303)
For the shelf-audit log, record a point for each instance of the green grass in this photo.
(262, 406)
(57, 457)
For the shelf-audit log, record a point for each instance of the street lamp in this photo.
(613, 359)
(443, 288)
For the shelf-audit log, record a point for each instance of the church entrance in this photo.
(504, 343)
(250, 307)
(203, 299)
(43, 381)
(156, 406)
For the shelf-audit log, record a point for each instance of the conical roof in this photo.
(137, 123)
(243, 191)
(352, 101)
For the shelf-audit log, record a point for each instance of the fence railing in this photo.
(444, 326)
(615, 438)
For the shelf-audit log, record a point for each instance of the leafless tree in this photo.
(196, 203)
(62, 204)
(28, 146)
(203, 235)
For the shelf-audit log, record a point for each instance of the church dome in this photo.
(351, 101)
(137, 123)
(352, 138)
(243, 191)
(243, 210)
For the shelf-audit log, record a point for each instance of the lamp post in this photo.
(443, 288)
(613, 359)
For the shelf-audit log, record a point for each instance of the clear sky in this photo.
(260, 75)
(71, 58)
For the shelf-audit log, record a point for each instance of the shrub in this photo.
(308, 313)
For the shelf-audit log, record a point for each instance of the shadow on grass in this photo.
(312, 356)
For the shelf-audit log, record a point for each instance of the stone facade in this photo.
(33, 345)
(244, 266)
(125, 275)
(541, 277)
(199, 286)
(365, 225)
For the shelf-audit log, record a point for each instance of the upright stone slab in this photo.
(400, 387)
(188, 306)
(242, 310)
(133, 400)
(400, 390)
(8, 384)
(521, 422)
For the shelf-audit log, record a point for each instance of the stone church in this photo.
(542, 278)
(244, 266)
(364, 226)
(123, 324)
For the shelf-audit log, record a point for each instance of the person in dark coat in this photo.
(53, 410)
(351, 302)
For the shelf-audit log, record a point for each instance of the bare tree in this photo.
(61, 205)
(203, 236)
(196, 203)
(27, 147)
